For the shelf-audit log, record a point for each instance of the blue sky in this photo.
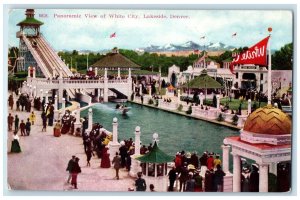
(216, 25)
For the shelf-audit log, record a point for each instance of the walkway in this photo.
(42, 163)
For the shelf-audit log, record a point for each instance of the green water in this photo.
(176, 132)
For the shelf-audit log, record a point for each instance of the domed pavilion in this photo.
(265, 139)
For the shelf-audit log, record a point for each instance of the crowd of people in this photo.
(192, 171)
(17, 125)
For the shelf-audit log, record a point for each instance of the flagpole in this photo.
(269, 70)
(87, 61)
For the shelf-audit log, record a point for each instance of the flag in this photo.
(257, 54)
(113, 35)
(196, 50)
(203, 37)
(233, 35)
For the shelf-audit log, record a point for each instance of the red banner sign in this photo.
(256, 54)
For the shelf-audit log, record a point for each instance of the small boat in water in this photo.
(122, 108)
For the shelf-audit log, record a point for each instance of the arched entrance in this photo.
(248, 81)
(173, 79)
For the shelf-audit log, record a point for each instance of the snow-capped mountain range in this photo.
(190, 45)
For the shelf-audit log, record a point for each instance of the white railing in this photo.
(82, 81)
(211, 113)
(36, 57)
(118, 81)
(227, 117)
(167, 105)
(56, 81)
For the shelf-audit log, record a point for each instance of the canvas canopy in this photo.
(155, 156)
(202, 81)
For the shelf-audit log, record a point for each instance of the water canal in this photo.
(176, 132)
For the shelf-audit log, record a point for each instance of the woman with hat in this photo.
(105, 162)
(57, 128)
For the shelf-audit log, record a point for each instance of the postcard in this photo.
(150, 100)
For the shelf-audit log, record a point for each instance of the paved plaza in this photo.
(43, 161)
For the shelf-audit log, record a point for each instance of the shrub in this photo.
(156, 103)
(180, 107)
(189, 111)
(235, 119)
(150, 101)
(220, 118)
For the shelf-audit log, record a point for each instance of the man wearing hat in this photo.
(219, 178)
(203, 163)
(70, 167)
(245, 179)
(140, 183)
(172, 177)
(183, 176)
(117, 164)
(75, 171)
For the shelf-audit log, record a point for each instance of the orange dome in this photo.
(268, 120)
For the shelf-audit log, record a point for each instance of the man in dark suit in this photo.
(70, 168)
(140, 183)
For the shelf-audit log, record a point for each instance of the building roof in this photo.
(30, 21)
(268, 120)
(155, 156)
(202, 81)
(125, 72)
(115, 60)
(260, 146)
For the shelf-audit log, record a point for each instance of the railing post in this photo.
(135, 167)
(105, 95)
(46, 97)
(34, 72)
(114, 145)
(29, 71)
(90, 122)
(63, 107)
(249, 106)
(201, 98)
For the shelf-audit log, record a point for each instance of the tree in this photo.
(283, 59)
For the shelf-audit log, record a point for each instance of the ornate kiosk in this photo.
(265, 139)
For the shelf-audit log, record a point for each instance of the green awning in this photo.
(155, 156)
(202, 81)
(30, 21)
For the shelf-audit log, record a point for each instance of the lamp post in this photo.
(205, 90)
